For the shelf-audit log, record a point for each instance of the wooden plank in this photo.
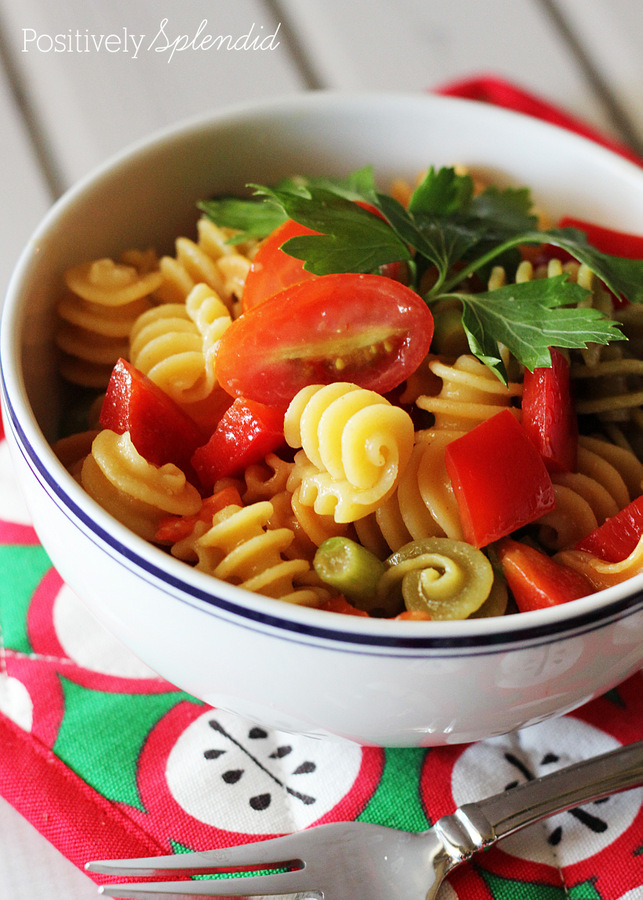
(25, 196)
(415, 44)
(30, 867)
(610, 35)
(98, 76)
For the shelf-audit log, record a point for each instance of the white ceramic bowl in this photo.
(299, 669)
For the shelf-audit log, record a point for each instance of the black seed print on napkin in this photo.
(236, 774)
(589, 820)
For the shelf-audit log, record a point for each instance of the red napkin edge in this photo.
(97, 830)
(498, 92)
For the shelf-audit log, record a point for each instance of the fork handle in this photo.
(488, 820)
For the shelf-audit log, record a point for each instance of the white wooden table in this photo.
(81, 80)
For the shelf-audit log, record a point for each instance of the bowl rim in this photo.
(475, 635)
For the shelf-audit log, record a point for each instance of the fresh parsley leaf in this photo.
(624, 277)
(351, 238)
(429, 241)
(505, 212)
(529, 318)
(358, 185)
(441, 194)
(447, 224)
(253, 219)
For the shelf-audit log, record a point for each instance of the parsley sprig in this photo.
(455, 233)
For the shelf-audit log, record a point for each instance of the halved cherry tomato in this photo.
(537, 581)
(246, 433)
(618, 536)
(159, 429)
(272, 270)
(366, 329)
(499, 479)
(548, 414)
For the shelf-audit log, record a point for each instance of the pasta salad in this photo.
(421, 404)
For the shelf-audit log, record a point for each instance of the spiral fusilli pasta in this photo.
(174, 344)
(134, 491)
(240, 547)
(423, 504)
(599, 572)
(469, 394)
(608, 477)
(355, 445)
(209, 260)
(103, 300)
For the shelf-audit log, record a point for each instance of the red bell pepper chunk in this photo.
(246, 433)
(499, 479)
(341, 605)
(618, 536)
(548, 414)
(160, 430)
(615, 243)
(537, 581)
(175, 528)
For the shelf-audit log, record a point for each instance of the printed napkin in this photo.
(106, 759)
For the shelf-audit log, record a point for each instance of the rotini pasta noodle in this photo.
(209, 260)
(265, 479)
(239, 547)
(211, 317)
(470, 394)
(601, 573)
(354, 444)
(175, 345)
(610, 391)
(268, 481)
(623, 461)
(102, 302)
(423, 504)
(135, 492)
(608, 477)
(165, 345)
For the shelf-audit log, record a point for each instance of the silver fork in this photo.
(357, 859)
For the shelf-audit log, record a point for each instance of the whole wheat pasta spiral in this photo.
(355, 445)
